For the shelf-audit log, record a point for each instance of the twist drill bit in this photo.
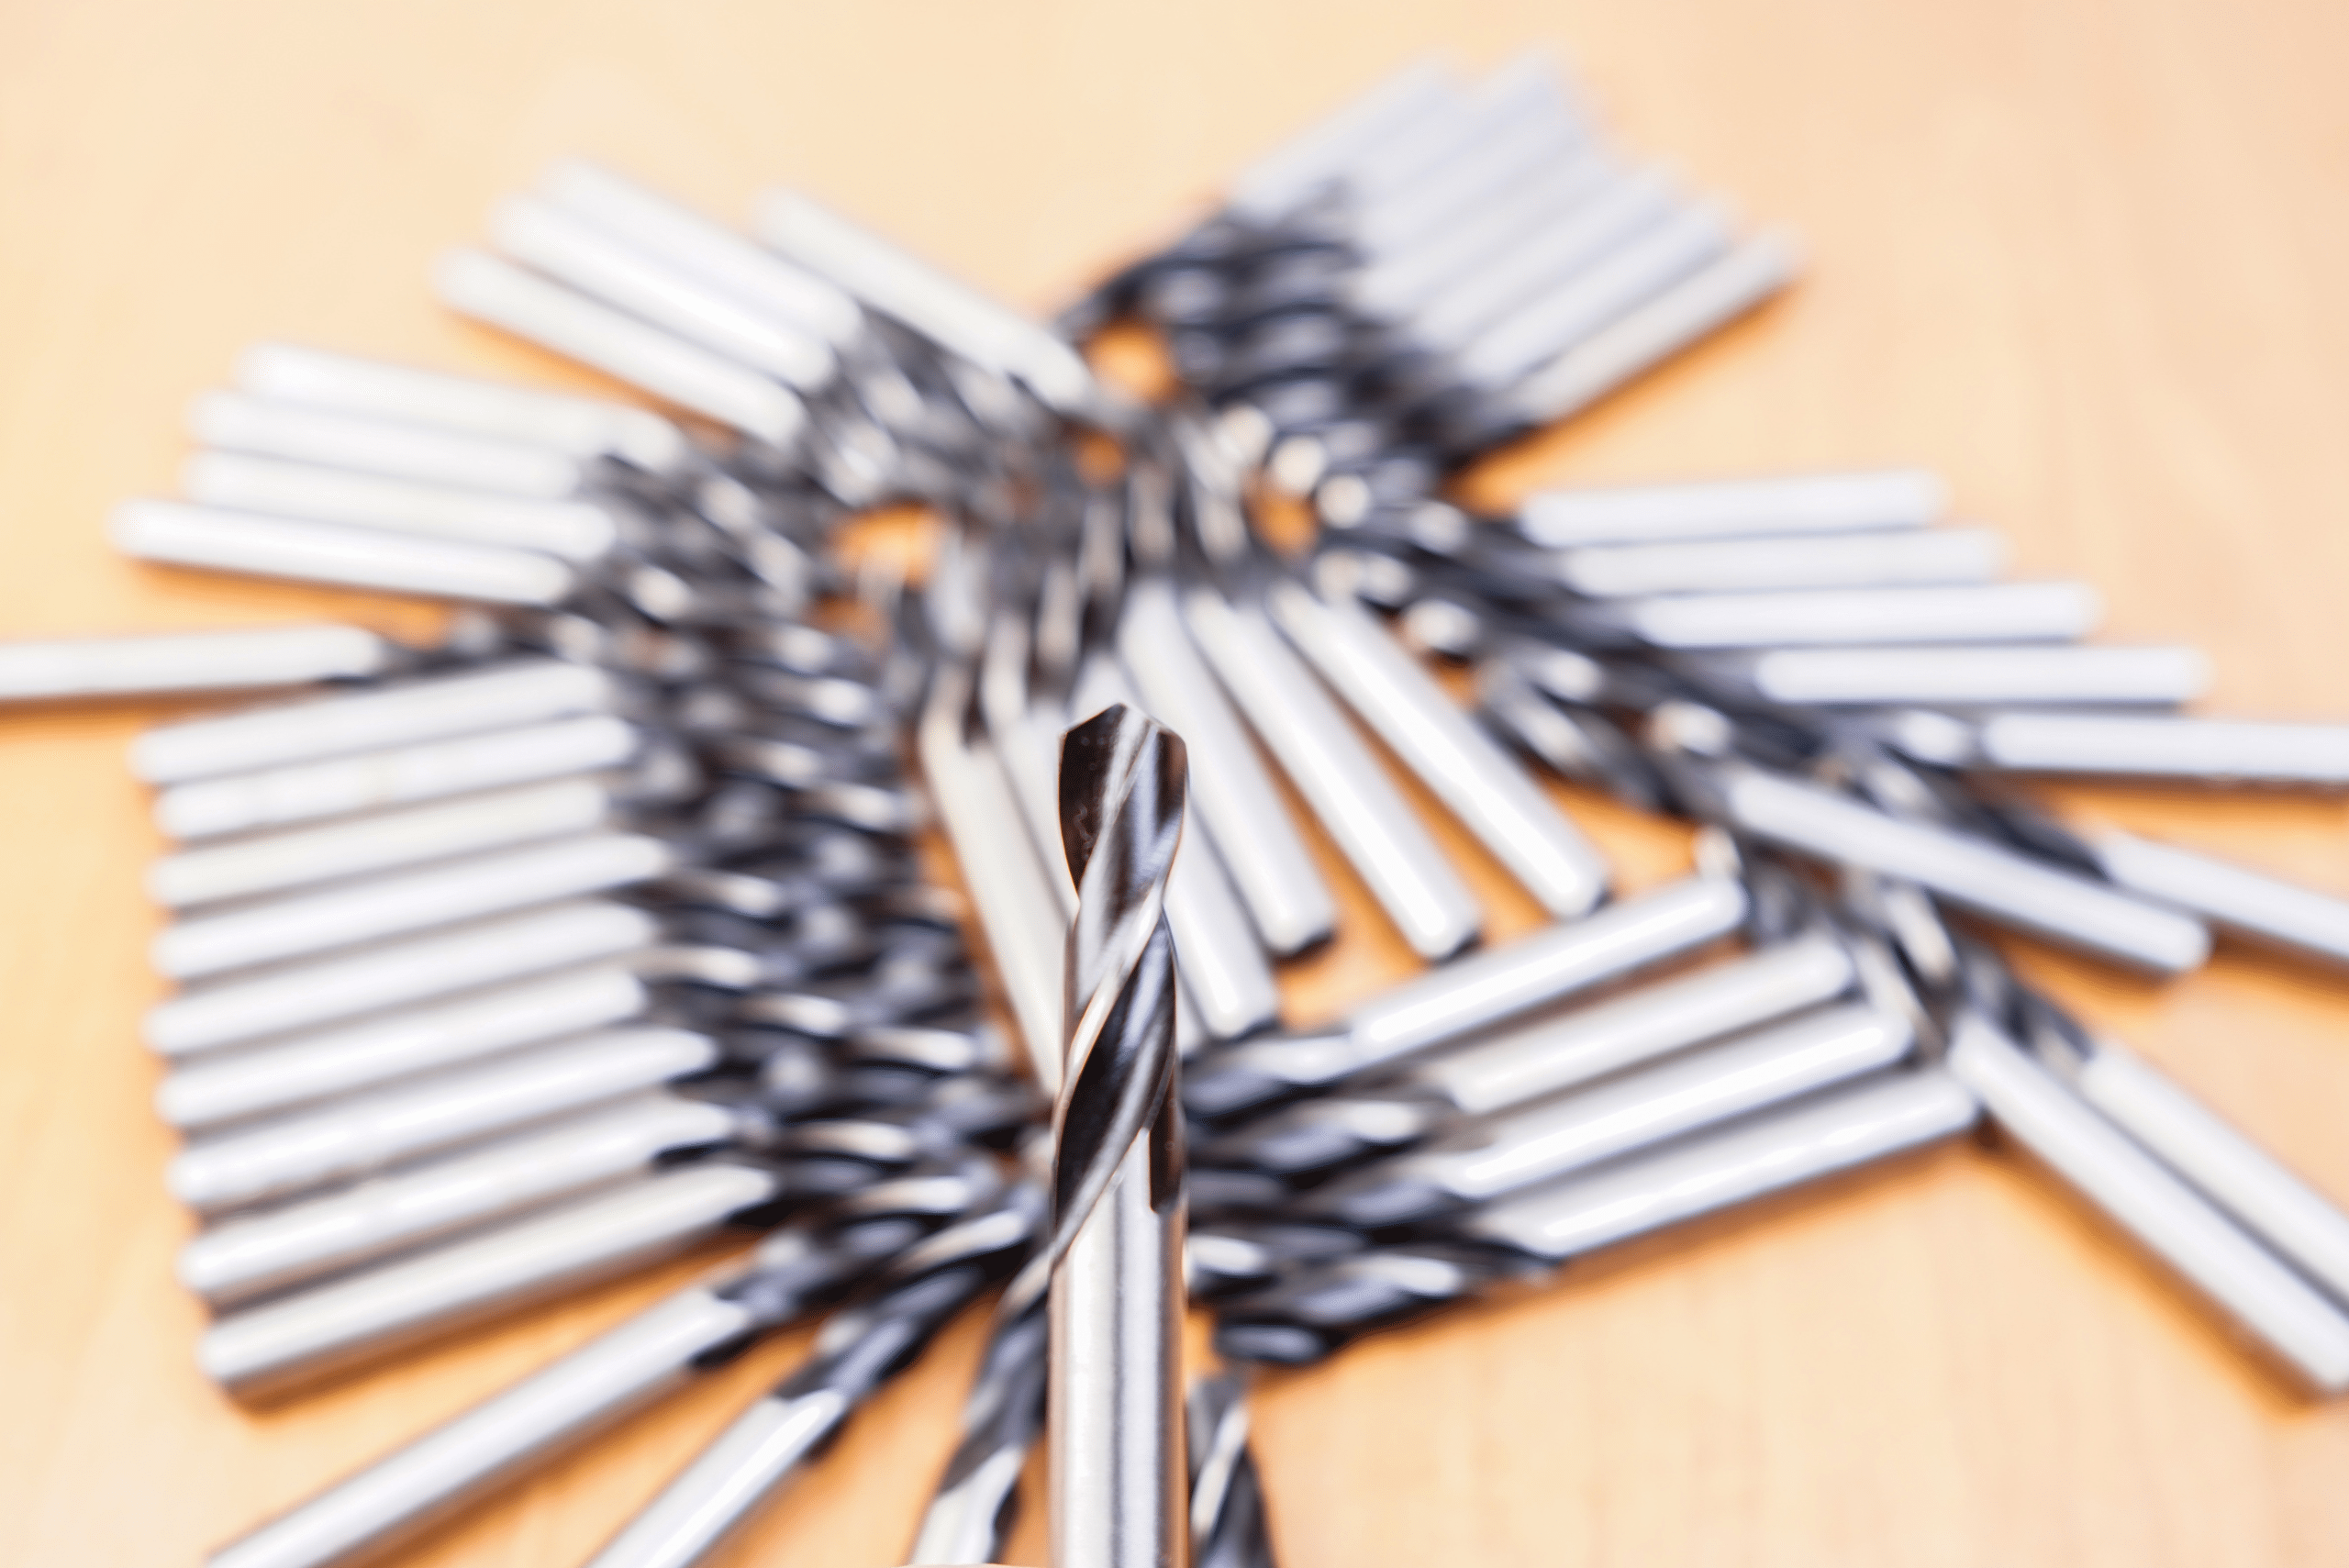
(858, 1351)
(977, 1501)
(1228, 1525)
(1116, 1256)
(808, 1265)
(1310, 1312)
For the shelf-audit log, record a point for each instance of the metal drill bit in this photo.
(1228, 1524)
(1894, 557)
(2300, 1224)
(529, 305)
(406, 973)
(1794, 504)
(1115, 1416)
(1317, 1310)
(585, 427)
(2267, 909)
(288, 859)
(804, 1266)
(299, 925)
(1480, 783)
(1985, 877)
(860, 1348)
(1517, 1066)
(976, 1500)
(2292, 1321)
(192, 661)
(754, 1171)
(368, 1133)
(1990, 612)
(1340, 780)
(250, 542)
(1967, 677)
(426, 707)
(1286, 896)
(1467, 995)
(303, 1069)
(2216, 750)
(1487, 1161)
(553, 1124)
(369, 781)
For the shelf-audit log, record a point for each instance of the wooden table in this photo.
(2086, 260)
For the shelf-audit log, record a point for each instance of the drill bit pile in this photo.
(599, 927)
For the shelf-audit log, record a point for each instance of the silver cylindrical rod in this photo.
(1399, 285)
(1478, 991)
(1221, 965)
(1016, 906)
(1241, 811)
(602, 264)
(2266, 909)
(712, 1497)
(2217, 749)
(299, 1070)
(1655, 1020)
(1973, 874)
(303, 996)
(371, 781)
(438, 1472)
(1281, 179)
(1894, 557)
(521, 692)
(1114, 1398)
(356, 1136)
(574, 530)
(1342, 783)
(1807, 1142)
(1864, 500)
(1115, 1315)
(580, 427)
(2308, 1333)
(269, 1349)
(384, 841)
(189, 661)
(1385, 171)
(571, 324)
(1616, 205)
(1652, 332)
(893, 282)
(1990, 612)
(1643, 267)
(299, 925)
(2308, 1228)
(901, 1308)
(1640, 1110)
(1482, 784)
(256, 1254)
(394, 449)
(247, 542)
(1525, 127)
(1987, 676)
(688, 240)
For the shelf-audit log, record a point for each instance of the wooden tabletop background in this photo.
(2087, 260)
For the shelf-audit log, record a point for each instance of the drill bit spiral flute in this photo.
(1116, 1256)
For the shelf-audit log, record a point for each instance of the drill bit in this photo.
(860, 1348)
(1115, 1413)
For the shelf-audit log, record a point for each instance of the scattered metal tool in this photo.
(597, 928)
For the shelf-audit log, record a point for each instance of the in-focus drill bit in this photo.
(1116, 1289)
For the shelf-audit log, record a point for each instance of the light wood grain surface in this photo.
(2085, 259)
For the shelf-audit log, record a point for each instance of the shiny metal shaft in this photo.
(1116, 1293)
(2295, 1322)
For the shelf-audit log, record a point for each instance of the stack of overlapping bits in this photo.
(597, 928)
